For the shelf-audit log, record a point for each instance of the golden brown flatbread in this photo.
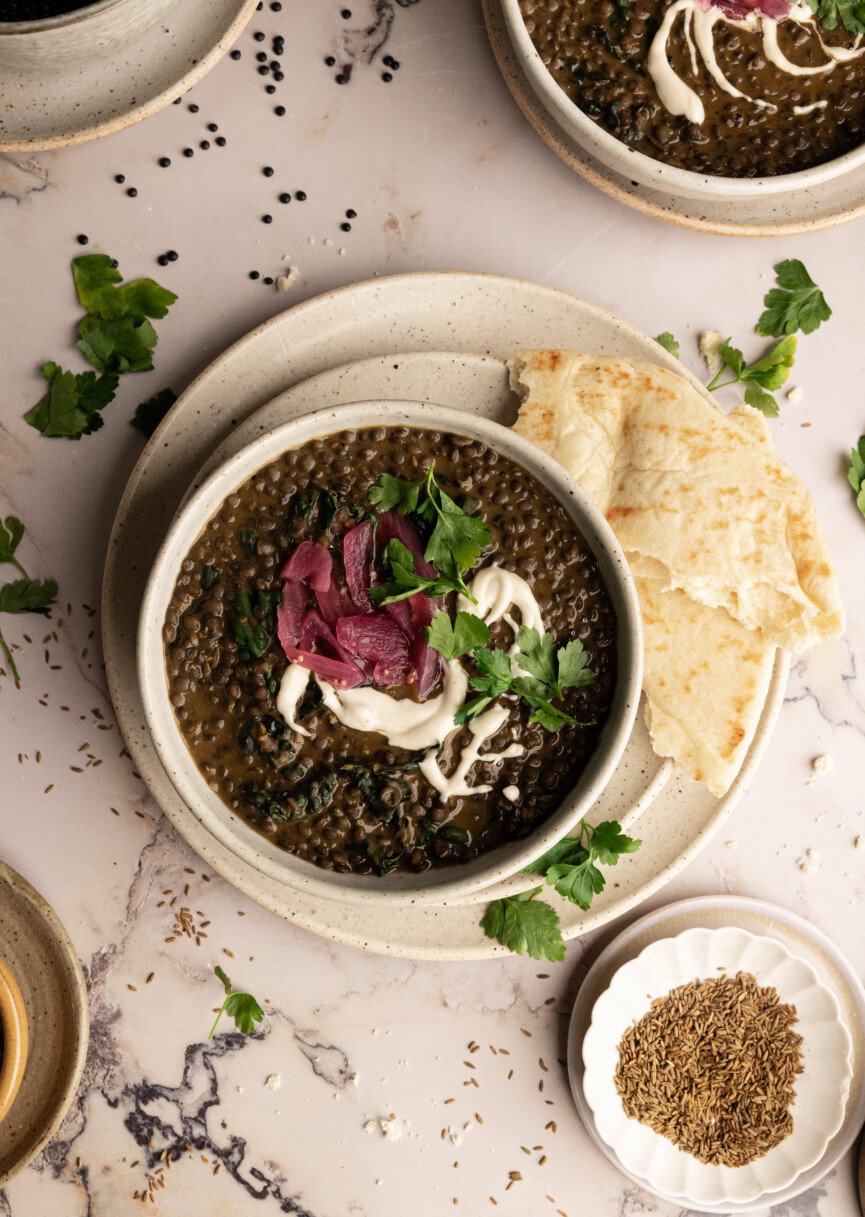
(721, 537)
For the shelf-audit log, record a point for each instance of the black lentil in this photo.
(213, 126)
(119, 179)
(270, 88)
(345, 226)
(351, 214)
(258, 36)
(267, 219)
(268, 171)
(204, 145)
(220, 141)
(132, 192)
(279, 111)
(253, 274)
(188, 152)
(268, 280)
(82, 239)
(386, 77)
(300, 195)
(235, 54)
(165, 161)
(285, 198)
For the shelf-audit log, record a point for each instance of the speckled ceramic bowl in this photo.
(13, 1038)
(438, 885)
(645, 170)
(84, 33)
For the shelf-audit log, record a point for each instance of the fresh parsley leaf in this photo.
(242, 1007)
(121, 346)
(851, 14)
(405, 581)
(96, 279)
(570, 866)
(24, 595)
(855, 474)
(537, 655)
(453, 639)
(760, 378)
(71, 407)
(545, 713)
(494, 678)
(525, 926)
(149, 414)
(390, 492)
(457, 539)
(28, 596)
(11, 532)
(669, 343)
(795, 304)
(573, 672)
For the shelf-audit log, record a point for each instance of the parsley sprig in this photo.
(851, 14)
(24, 595)
(760, 378)
(856, 473)
(456, 541)
(404, 580)
(797, 303)
(528, 926)
(242, 1007)
(669, 342)
(550, 669)
(116, 336)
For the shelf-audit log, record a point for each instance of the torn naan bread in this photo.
(673, 474)
(699, 493)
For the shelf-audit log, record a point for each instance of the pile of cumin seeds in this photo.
(712, 1068)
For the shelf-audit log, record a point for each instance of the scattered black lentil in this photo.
(341, 78)
(235, 54)
(221, 141)
(165, 161)
(177, 101)
(172, 255)
(119, 179)
(188, 152)
(390, 62)
(258, 36)
(132, 192)
(268, 171)
(213, 126)
(268, 280)
(82, 239)
(162, 260)
(275, 64)
(351, 214)
(277, 75)
(276, 7)
(345, 226)
(267, 219)
(204, 145)
(330, 61)
(261, 56)
(270, 88)
(345, 14)
(253, 274)
(386, 77)
(285, 198)
(300, 195)
(264, 70)
(279, 111)
(193, 109)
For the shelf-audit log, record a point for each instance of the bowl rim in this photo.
(438, 885)
(15, 1040)
(552, 95)
(590, 1064)
(75, 16)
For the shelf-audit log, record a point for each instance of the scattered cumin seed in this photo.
(132, 988)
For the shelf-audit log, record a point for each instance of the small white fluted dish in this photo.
(822, 1088)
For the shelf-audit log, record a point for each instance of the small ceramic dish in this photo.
(13, 1038)
(636, 166)
(440, 884)
(821, 1089)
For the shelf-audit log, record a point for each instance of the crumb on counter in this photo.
(388, 1126)
(795, 394)
(810, 861)
(822, 766)
(710, 342)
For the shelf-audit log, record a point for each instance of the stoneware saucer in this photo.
(791, 939)
(821, 1089)
(13, 1038)
(38, 952)
(77, 77)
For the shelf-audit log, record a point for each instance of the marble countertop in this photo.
(443, 173)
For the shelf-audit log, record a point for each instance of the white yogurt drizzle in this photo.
(699, 25)
(483, 727)
(425, 725)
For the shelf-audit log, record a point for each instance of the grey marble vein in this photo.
(328, 1062)
(827, 676)
(21, 176)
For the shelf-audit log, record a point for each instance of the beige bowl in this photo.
(13, 1039)
(644, 170)
(232, 832)
(82, 34)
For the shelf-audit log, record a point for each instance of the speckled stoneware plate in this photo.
(807, 210)
(40, 955)
(821, 1088)
(70, 98)
(407, 337)
(798, 938)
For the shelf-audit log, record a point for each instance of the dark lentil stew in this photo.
(344, 799)
(597, 52)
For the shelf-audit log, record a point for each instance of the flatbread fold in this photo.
(721, 536)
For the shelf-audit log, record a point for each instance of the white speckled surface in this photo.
(444, 173)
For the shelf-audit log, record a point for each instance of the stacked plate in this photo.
(435, 338)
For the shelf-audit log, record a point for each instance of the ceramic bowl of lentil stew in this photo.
(734, 98)
(390, 652)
